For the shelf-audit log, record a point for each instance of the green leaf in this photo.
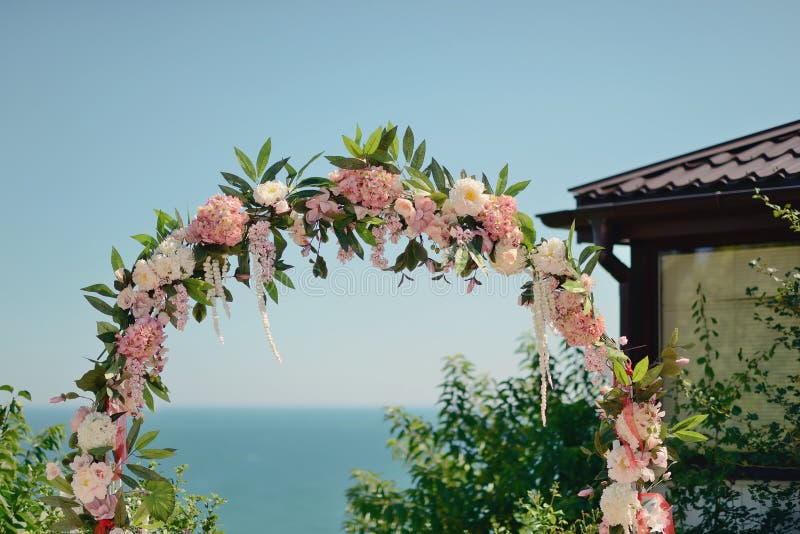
(528, 231)
(387, 138)
(156, 454)
(6, 387)
(320, 269)
(438, 176)
(309, 162)
(272, 290)
(346, 163)
(99, 451)
(366, 234)
(419, 156)
(352, 147)
(147, 241)
(158, 387)
(641, 369)
(284, 279)
(197, 289)
(570, 238)
(231, 192)
(517, 188)
(145, 473)
(273, 170)
(688, 423)
(690, 436)
(61, 484)
(651, 375)
(159, 499)
(146, 439)
(674, 339)
(116, 260)
(199, 312)
(236, 181)
(100, 289)
(372, 142)
(315, 182)
(420, 176)
(93, 380)
(358, 134)
(502, 180)
(355, 245)
(462, 256)
(263, 157)
(247, 165)
(408, 144)
(588, 251)
(486, 183)
(133, 432)
(619, 372)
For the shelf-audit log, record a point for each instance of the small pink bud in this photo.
(163, 318)
(56, 400)
(471, 285)
(430, 265)
(585, 492)
(682, 361)
(667, 475)
(119, 274)
(623, 341)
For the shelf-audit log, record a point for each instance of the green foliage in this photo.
(23, 457)
(475, 465)
(191, 513)
(738, 438)
(538, 516)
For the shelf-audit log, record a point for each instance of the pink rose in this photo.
(103, 508)
(404, 207)
(281, 207)
(126, 298)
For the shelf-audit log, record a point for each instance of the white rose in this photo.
(467, 198)
(270, 192)
(97, 430)
(508, 259)
(144, 276)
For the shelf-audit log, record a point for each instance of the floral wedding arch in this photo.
(459, 227)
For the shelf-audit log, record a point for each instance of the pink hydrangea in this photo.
(219, 222)
(181, 303)
(142, 340)
(80, 415)
(439, 232)
(578, 328)
(373, 188)
(594, 358)
(421, 216)
(497, 218)
(378, 249)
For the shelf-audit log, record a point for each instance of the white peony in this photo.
(96, 430)
(172, 261)
(144, 276)
(551, 257)
(622, 467)
(467, 198)
(619, 504)
(270, 193)
(508, 259)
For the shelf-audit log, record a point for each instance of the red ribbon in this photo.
(627, 417)
(669, 525)
(103, 526)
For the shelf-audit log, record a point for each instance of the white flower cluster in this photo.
(619, 504)
(467, 197)
(214, 271)
(508, 259)
(551, 257)
(171, 261)
(96, 430)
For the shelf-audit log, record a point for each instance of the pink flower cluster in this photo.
(320, 207)
(219, 222)
(181, 306)
(578, 328)
(142, 340)
(497, 218)
(91, 479)
(373, 188)
(262, 249)
(378, 249)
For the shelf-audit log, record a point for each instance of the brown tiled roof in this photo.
(768, 158)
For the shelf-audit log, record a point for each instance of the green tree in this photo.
(472, 469)
(23, 457)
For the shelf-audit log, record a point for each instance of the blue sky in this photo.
(111, 109)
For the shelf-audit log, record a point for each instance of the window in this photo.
(725, 273)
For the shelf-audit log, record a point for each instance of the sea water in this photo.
(282, 470)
